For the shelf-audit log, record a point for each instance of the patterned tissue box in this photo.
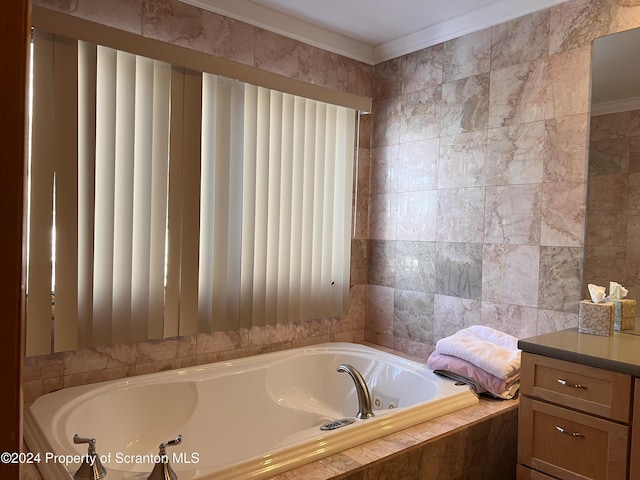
(596, 318)
(624, 316)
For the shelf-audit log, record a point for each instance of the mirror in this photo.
(612, 244)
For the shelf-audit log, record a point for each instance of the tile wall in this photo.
(613, 202)
(478, 178)
(471, 181)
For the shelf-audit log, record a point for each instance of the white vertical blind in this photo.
(184, 202)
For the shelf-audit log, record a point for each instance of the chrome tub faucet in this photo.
(364, 397)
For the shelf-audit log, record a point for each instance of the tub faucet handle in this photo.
(91, 468)
(162, 470)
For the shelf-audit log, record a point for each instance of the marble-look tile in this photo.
(417, 215)
(99, 358)
(467, 55)
(43, 366)
(418, 165)
(512, 214)
(415, 348)
(510, 274)
(563, 214)
(465, 105)
(609, 156)
(608, 192)
(362, 170)
(387, 80)
(520, 40)
(611, 126)
(459, 270)
(95, 376)
(560, 278)
(276, 53)
(32, 389)
(385, 125)
(634, 154)
(384, 169)
(173, 22)
(228, 38)
(420, 114)
(360, 218)
(221, 341)
(569, 84)
(633, 201)
(460, 215)
(165, 349)
(381, 261)
(518, 94)
(122, 14)
(462, 160)
(270, 334)
(566, 149)
(383, 216)
(379, 306)
(576, 23)
(415, 266)
(450, 314)
(515, 154)
(601, 265)
(422, 69)
(607, 228)
(164, 365)
(552, 321)
(413, 316)
(515, 320)
(358, 269)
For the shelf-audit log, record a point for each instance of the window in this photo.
(183, 201)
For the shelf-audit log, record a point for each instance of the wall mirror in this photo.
(612, 243)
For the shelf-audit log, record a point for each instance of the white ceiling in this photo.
(373, 31)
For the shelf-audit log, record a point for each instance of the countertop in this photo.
(619, 353)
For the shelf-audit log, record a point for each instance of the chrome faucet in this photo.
(91, 468)
(162, 469)
(364, 397)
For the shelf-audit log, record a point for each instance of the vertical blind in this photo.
(180, 201)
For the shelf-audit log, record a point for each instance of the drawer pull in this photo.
(573, 434)
(574, 385)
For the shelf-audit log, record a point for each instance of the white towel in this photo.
(493, 351)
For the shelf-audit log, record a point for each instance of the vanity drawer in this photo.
(525, 473)
(589, 389)
(570, 445)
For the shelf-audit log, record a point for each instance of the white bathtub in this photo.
(247, 418)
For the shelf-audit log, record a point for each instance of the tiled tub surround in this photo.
(475, 442)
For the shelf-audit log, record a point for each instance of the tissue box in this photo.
(596, 318)
(624, 315)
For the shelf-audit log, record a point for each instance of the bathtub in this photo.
(247, 418)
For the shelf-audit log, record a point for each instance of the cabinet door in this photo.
(585, 388)
(570, 445)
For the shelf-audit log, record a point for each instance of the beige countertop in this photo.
(619, 353)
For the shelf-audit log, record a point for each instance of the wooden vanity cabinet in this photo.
(573, 421)
(634, 460)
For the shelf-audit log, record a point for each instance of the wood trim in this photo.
(14, 43)
(81, 29)
(634, 453)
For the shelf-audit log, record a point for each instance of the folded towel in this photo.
(491, 350)
(478, 379)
